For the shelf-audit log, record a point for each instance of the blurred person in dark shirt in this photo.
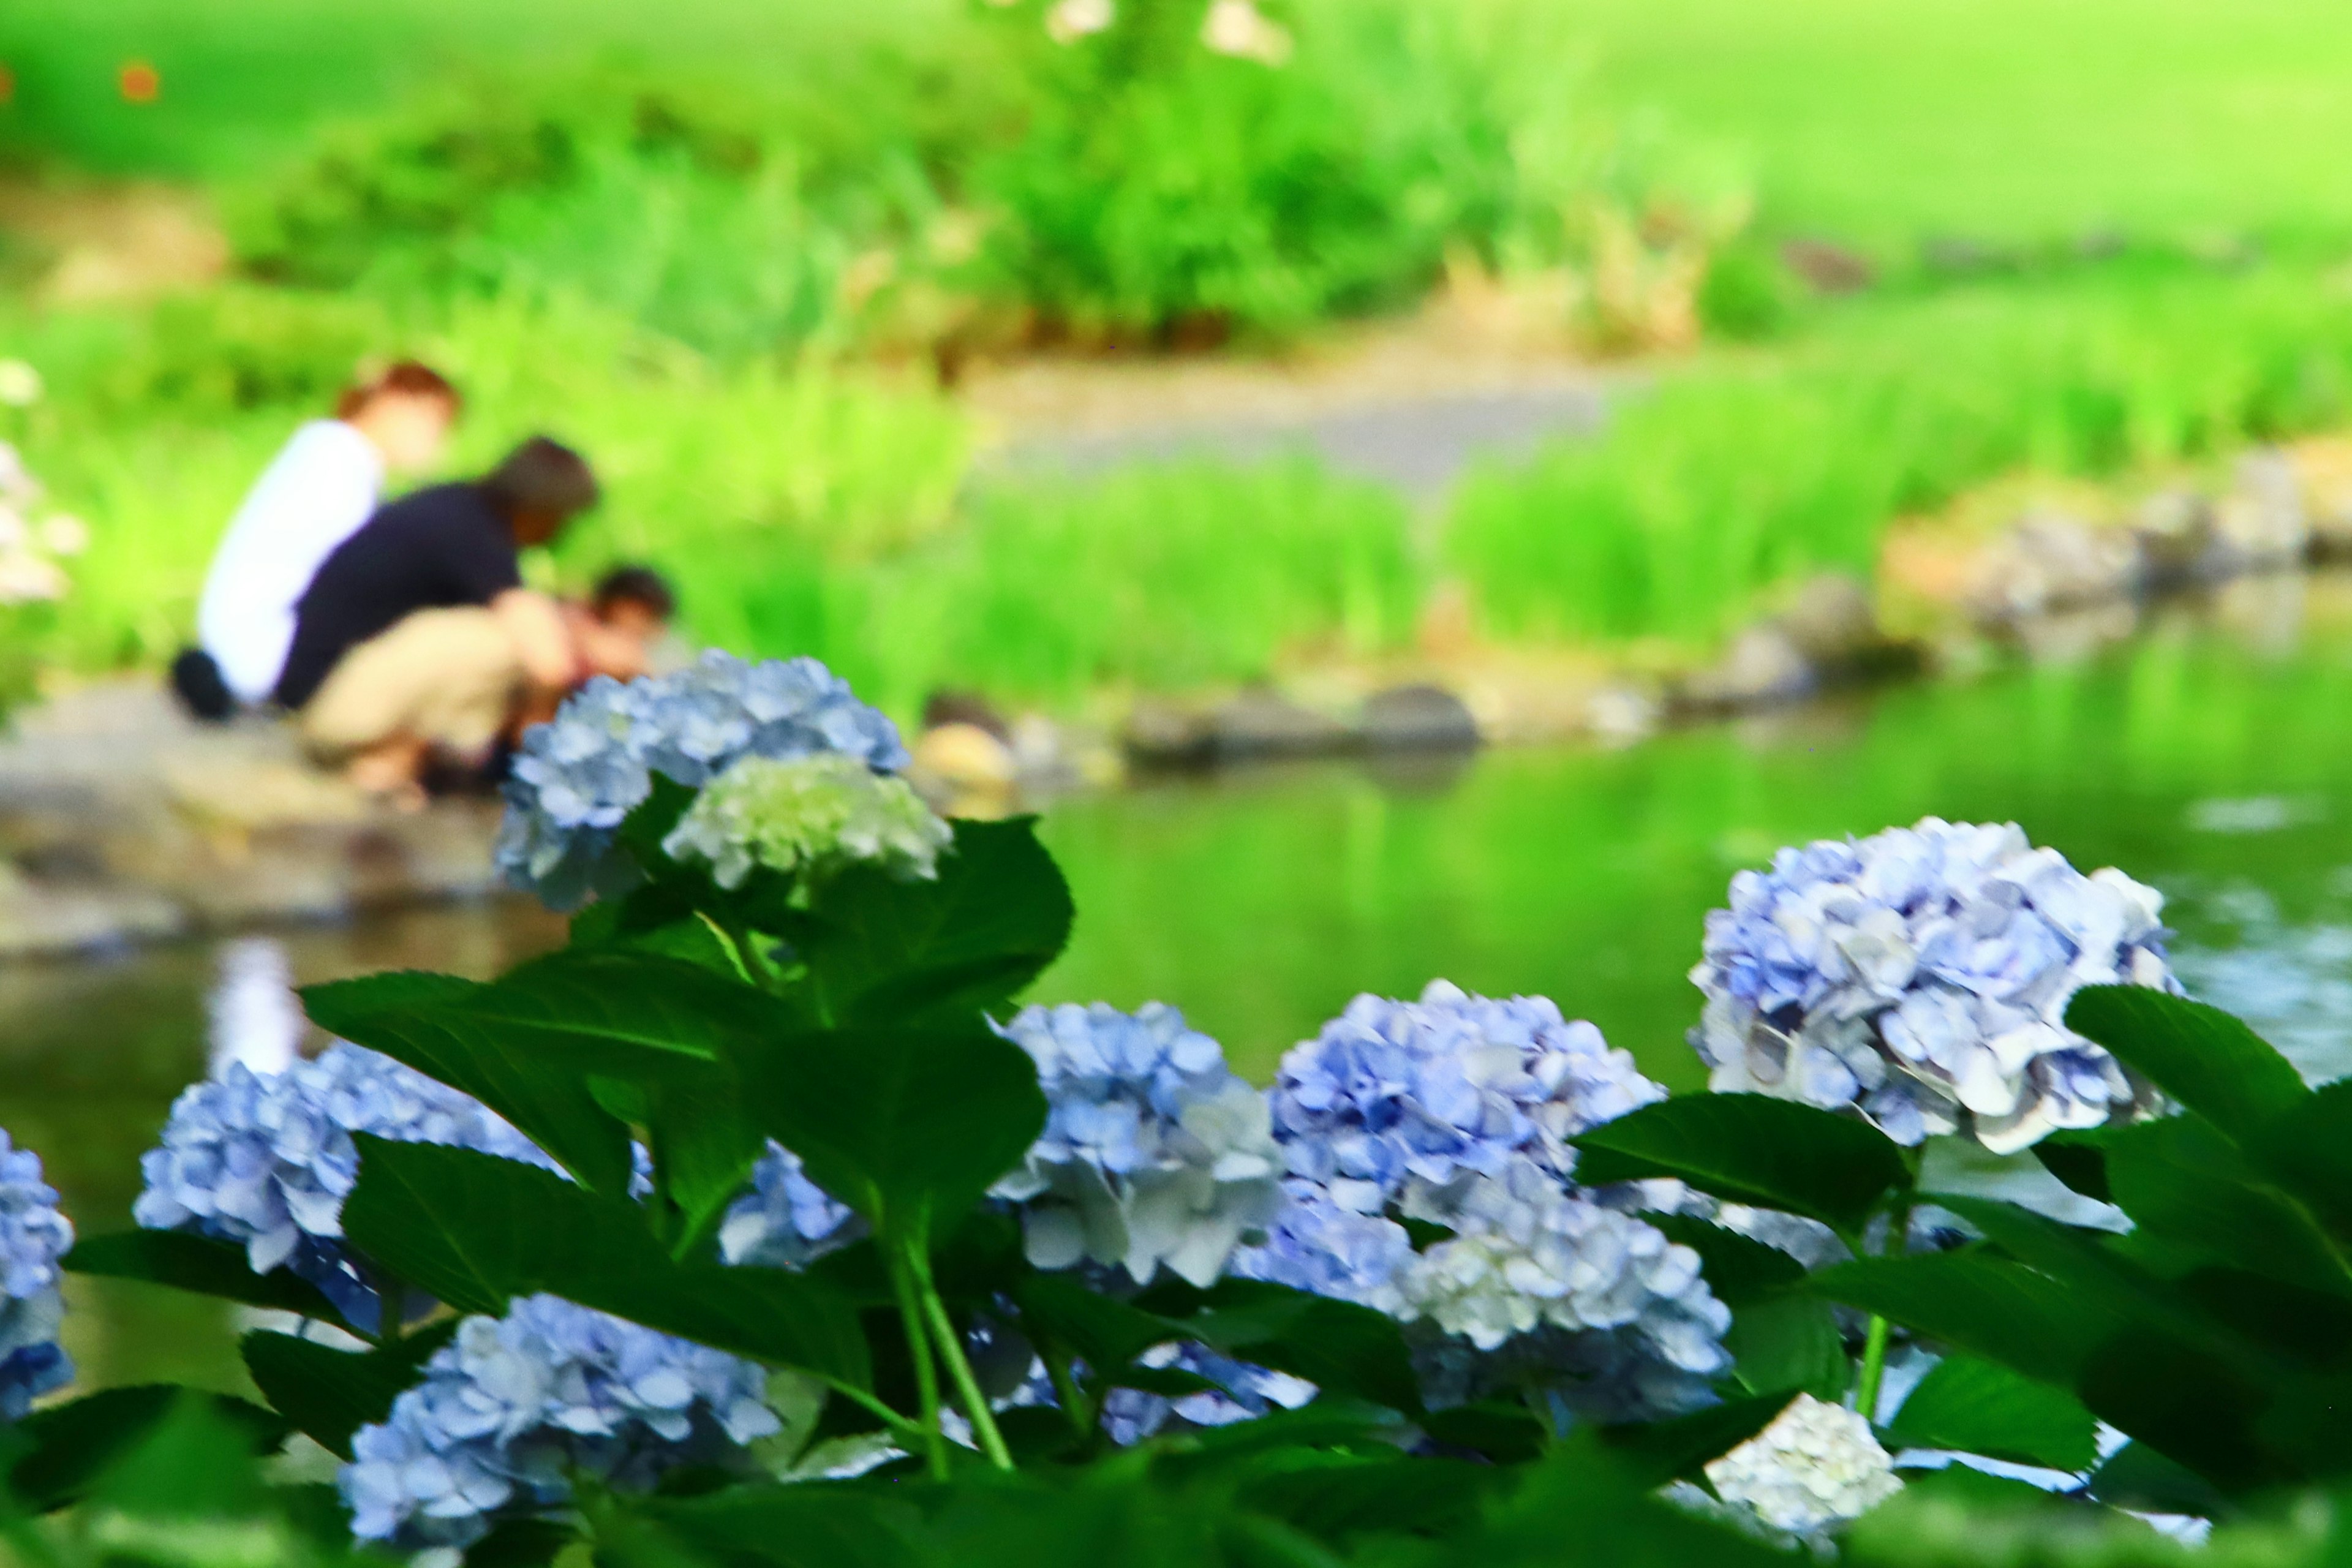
(417, 643)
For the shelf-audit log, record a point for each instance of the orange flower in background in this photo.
(7, 85)
(141, 82)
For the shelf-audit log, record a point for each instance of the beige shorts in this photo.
(447, 677)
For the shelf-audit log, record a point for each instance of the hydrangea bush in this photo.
(762, 1225)
(1921, 976)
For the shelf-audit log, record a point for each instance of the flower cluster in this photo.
(511, 1406)
(1526, 1253)
(1154, 1153)
(32, 1236)
(1458, 1111)
(31, 549)
(1452, 1083)
(1922, 976)
(1816, 1466)
(267, 1159)
(577, 776)
(807, 812)
(785, 1221)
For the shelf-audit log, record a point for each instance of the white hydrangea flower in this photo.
(1816, 1466)
(794, 814)
(1526, 1253)
(1921, 976)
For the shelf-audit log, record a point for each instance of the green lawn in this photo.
(2009, 120)
(1865, 119)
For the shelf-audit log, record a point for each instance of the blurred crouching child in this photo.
(417, 643)
(316, 494)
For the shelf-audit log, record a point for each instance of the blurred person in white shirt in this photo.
(324, 484)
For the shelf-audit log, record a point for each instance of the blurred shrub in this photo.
(1190, 169)
(1164, 187)
(1746, 292)
(732, 225)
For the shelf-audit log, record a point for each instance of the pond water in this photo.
(2207, 755)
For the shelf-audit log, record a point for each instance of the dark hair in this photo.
(640, 586)
(404, 378)
(542, 478)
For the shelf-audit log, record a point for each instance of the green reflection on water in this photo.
(2207, 760)
(1585, 875)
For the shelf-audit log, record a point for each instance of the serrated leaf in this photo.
(1102, 1331)
(909, 1127)
(2080, 1163)
(2310, 1147)
(1738, 1269)
(1789, 1342)
(2184, 1184)
(198, 1264)
(2000, 1311)
(1751, 1149)
(880, 947)
(407, 1017)
(477, 1231)
(2202, 1056)
(1980, 1407)
(1338, 1346)
(1334, 1498)
(2137, 1476)
(330, 1394)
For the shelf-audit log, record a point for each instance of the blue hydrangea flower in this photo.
(513, 1406)
(1154, 1153)
(785, 1221)
(1921, 976)
(1461, 1111)
(267, 1159)
(1426, 1090)
(33, 1236)
(577, 776)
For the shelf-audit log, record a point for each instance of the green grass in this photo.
(1736, 473)
(2005, 120)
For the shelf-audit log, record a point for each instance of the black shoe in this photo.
(196, 682)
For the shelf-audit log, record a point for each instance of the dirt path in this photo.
(1410, 403)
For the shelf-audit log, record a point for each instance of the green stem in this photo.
(926, 1376)
(1873, 1369)
(1066, 1392)
(908, 1432)
(968, 1391)
(1873, 1346)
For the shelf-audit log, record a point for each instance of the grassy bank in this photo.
(1743, 472)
